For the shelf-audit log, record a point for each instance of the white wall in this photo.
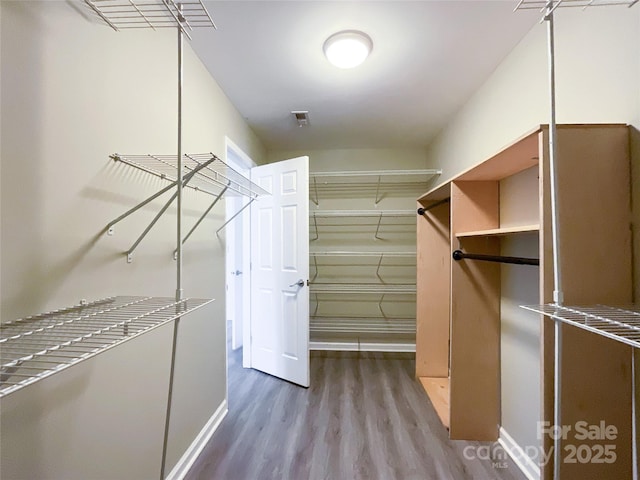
(598, 81)
(73, 92)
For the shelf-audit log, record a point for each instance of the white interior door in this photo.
(280, 271)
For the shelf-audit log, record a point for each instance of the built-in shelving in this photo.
(363, 285)
(460, 301)
(36, 347)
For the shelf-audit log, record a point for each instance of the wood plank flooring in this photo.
(365, 417)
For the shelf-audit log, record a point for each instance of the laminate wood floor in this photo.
(365, 417)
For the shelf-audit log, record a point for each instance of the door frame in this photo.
(236, 158)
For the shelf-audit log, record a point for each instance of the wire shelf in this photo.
(372, 178)
(370, 174)
(212, 178)
(39, 346)
(542, 5)
(362, 213)
(363, 288)
(620, 323)
(359, 182)
(153, 14)
(362, 325)
(339, 253)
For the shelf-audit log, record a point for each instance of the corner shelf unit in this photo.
(203, 172)
(36, 347)
(459, 302)
(363, 260)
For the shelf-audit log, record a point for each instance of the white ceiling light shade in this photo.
(348, 48)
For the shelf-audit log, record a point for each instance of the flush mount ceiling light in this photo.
(347, 49)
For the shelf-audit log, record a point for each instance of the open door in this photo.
(280, 271)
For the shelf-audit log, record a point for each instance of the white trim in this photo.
(248, 164)
(181, 468)
(363, 346)
(525, 463)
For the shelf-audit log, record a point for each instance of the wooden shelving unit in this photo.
(458, 302)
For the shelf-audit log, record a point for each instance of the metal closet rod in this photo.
(422, 210)
(460, 255)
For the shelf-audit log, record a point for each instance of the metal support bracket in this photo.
(235, 215)
(384, 315)
(315, 225)
(378, 227)
(315, 264)
(206, 212)
(315, 188)
(377, 191)
(378, 268)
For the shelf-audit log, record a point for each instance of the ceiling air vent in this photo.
(302, 117)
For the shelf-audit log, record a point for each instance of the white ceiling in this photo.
(428, 58)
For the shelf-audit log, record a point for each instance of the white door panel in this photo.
(280, 259)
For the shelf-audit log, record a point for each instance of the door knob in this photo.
(299, 283)
(237, 272)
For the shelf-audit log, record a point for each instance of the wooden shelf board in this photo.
(440, 192)
(500, 231)
(437, 389)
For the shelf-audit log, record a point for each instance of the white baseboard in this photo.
(363, 346)
(191, 454)
(529, 467)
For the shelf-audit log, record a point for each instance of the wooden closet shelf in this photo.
(500, 231)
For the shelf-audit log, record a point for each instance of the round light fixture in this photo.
(347, 49)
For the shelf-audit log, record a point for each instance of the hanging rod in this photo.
(460, 255)
(422, 210)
